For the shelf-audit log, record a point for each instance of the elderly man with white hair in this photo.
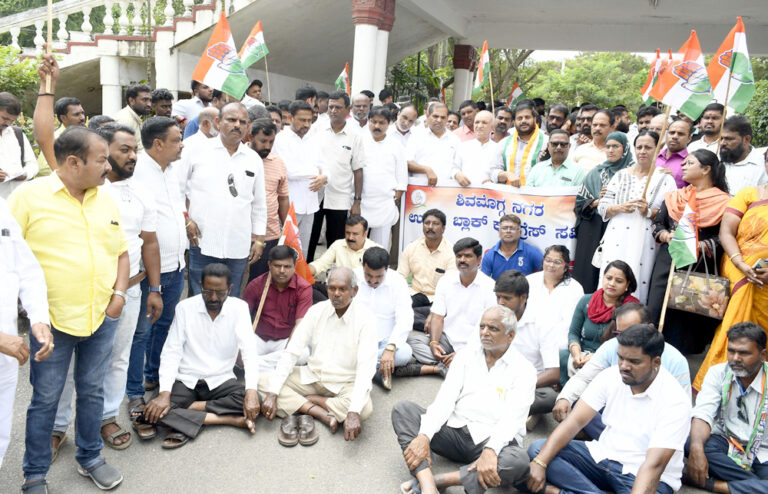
(477, 418)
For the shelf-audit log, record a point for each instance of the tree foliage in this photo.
(19, 77)
(757, 113)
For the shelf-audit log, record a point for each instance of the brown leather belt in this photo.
(137, 279)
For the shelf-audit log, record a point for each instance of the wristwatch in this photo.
(122, 294)
(156, 289)
(391, 347)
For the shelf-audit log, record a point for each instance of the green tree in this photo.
(757, 113)
(19, 77)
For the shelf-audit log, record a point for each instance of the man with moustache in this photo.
(263, 133)
(621, 114)
(402, 130)
(162, 102)
(558, 170)
(138, 99)
(347, 251)
(188, 109)
(709, 125)
(477, 417)
(556, 117)
(583, 133)
(433, 153)
(218, 100)
(385, 177)
(591, 154)
(477, 156)
(520, 151)
(461, 297)
(226, 180)
(648, 417)
(86, 272)
(361, 106)
(728, 419)
(304, 168)
(501, 123)
(744, 165)
(139, 220)
(467, 111)
(453, 121)
(670, 159)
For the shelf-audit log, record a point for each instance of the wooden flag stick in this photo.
(658, 149)
(269, 93)
(49, 46)
(666, 296)
(725, 111)
(263, 299)
(490, 81)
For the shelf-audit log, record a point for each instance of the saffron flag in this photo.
(685, 84)
(732, 62)
(515, 95)
(653, 74)
(684, 246)
(483, 70)
(290, 237)
(342, 82)
(219, 66)
(254, 48)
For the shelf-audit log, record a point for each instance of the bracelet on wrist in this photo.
(734, 255)
(540, 462)
(433, 342)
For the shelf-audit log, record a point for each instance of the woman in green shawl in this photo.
(590, 226)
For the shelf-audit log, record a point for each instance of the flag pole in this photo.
(725, 111)
(658, 149)
(49, 46)
(666, 296)
(490, 80)
(266, 70)
(263, 299)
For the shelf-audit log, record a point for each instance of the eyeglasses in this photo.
(554, 262)
(559, 144)
(509, 228)
(231, 183)
(218, 293)
(742, 404)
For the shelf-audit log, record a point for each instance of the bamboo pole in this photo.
(490, 81)
(658, 150)
(263, 299)
(266, 70)
(666, 297)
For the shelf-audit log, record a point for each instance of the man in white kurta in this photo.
(433, 152)
(477, 156)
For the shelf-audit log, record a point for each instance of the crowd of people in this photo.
(104, 229)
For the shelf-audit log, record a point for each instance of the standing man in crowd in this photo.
(189, 108)
(709, 125)
(521, 150)
(86, 273)
(510, 252)
(556, 117)
(161, 102)
(18, 157)
(402, 130)
(583, 133)
(592, 153)
(477, 156)
(744, 165)
(671, 158)
(361, 107)
(467, 111)
(433, 152)
(138, 105)
(501, 124)
(208, 128)
(558, 170)
(191, 126)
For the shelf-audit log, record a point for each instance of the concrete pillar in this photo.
(382, 45)
(166, 63)
(464, 64)
(111, 90)
(367, 15)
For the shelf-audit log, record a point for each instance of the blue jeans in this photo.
(722, 467)
(402, 354)
(198, 261)
(574, 470)
(148, 340)
(92, 354)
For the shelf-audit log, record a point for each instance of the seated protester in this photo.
(197, 385)
(727, 451)
(385, 293)
(425, 261)
(559, 170)
(288, 299)
(606, 356)
(347, 252)
(511, 252)
(477, 416)
(335, 384)
(477, 156)
(535, 342)
(647, 417)
(460, 299)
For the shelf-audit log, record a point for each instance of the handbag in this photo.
(700, 293)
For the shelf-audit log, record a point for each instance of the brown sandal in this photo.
(308, 433)
(110, 438)
(288, 434)
(62, 437)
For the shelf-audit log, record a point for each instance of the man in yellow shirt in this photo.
(73, 229)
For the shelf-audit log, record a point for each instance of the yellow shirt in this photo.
(340, 254)
(416, 259)
(77, 245)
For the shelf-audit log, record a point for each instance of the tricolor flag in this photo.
(483, 70)
(290, 237)
(653, 73)
(219, 66)
(342, 82)
(683, 248)
(515, 95)
(732, 61)
(254, 48)
(685, 83)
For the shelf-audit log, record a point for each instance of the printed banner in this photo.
(546, 213)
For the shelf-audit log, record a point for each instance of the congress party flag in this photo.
(732, 62)
(483, 70)
(653, 74)
(342, 82)
(685, 83)
(290, 237)
(219, 66)
(254, 48)
(683, 248)
(515, 95)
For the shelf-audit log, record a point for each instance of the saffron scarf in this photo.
(711, 204)
(530, 153)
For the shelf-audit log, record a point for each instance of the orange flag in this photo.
(290, 237)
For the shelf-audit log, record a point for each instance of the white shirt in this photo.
(553, 310)
(10, 161)
(403, 139)
(343, 153)
(391, 303)
(343, 350)
(536, 343)
(438, 153)
(462, 306)
(476, 160)
(303, 161)
(226, 221)
(658, 418)
(702, 144)
(250, 102)
(385, 173)
(493, 403)
(200, 348)
(138, 213)
(166, 191)
(189, 108)
(749, 172)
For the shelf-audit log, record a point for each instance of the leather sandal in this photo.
(178, 440)
(288, 434)
(110, 439)
(308, 433)
(62, 436)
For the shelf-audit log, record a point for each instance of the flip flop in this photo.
(308, 433)
(175, 436)
(62, 437)
(110, 439)
(144, 430)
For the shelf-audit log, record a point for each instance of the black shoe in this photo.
(412, 369)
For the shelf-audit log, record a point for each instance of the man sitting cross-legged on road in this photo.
(477, 418)
(197, 385)
(335, 384)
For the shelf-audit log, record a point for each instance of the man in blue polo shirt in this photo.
(511, 252)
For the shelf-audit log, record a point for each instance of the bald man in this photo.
(657, 123)
(477, 156)
(208, 128)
